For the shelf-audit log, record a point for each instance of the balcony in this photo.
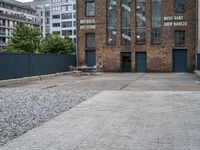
(3, 34)
(2, 44)
(2, 24)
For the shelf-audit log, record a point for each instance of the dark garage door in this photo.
(180, 60)
(126, 62)
(91, 58)
(141, 62)
(198, 61)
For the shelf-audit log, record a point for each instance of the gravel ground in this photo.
(22, 110)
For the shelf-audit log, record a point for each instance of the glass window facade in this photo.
(111, 22)
(156, 22)
(64, 32)
(179, 6)
(126, 22)
(56, 25)
(56, 32)
(47, 13)
(66, 24)
(55, 16)
(69, 32)
(90, 41)
(179, 37)
(140, 22)
(66, 16)
(90, 8)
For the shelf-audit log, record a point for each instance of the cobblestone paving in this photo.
(121, 120)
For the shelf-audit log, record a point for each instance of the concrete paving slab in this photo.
(120, 81)
(147, 120)
(165, 82)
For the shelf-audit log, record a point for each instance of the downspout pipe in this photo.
(77, 61)
(198, 31)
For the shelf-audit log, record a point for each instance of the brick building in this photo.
(198, 37)
(137, 35)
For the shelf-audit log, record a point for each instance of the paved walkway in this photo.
(121, 120)
(121, 81)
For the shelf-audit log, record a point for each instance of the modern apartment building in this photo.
(137, 35)
(57, 16)
(11, 13)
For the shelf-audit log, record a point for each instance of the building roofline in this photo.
(18, 4)
(16, 18)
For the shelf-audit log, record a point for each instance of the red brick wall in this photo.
(159, 57)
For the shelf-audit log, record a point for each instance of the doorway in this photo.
(126, 61)
(90, 58)
(141, 61)
(180, 60)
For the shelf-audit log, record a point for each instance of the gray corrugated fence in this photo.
(198, 61)
(24, 65)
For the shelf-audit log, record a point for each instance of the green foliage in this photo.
(25, 39)
(28, 40)
(56, 44)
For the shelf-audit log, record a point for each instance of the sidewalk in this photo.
(121, 120)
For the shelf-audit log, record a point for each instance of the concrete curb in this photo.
(30, 79)
(197, 72)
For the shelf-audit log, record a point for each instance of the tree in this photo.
(56, 44)
(25, 39)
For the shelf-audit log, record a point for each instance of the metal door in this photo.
(141, 62)
(180, 60)
(91, 58)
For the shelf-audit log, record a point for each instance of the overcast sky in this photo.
(24, 0)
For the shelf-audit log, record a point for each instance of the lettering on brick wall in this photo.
(88, 27)
(176, 21)
(87, 24)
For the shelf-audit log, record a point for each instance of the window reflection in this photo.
(90, 8)
(111, 21)
(156, 22)
(179, 6)
(140, 22)
(126, 21)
